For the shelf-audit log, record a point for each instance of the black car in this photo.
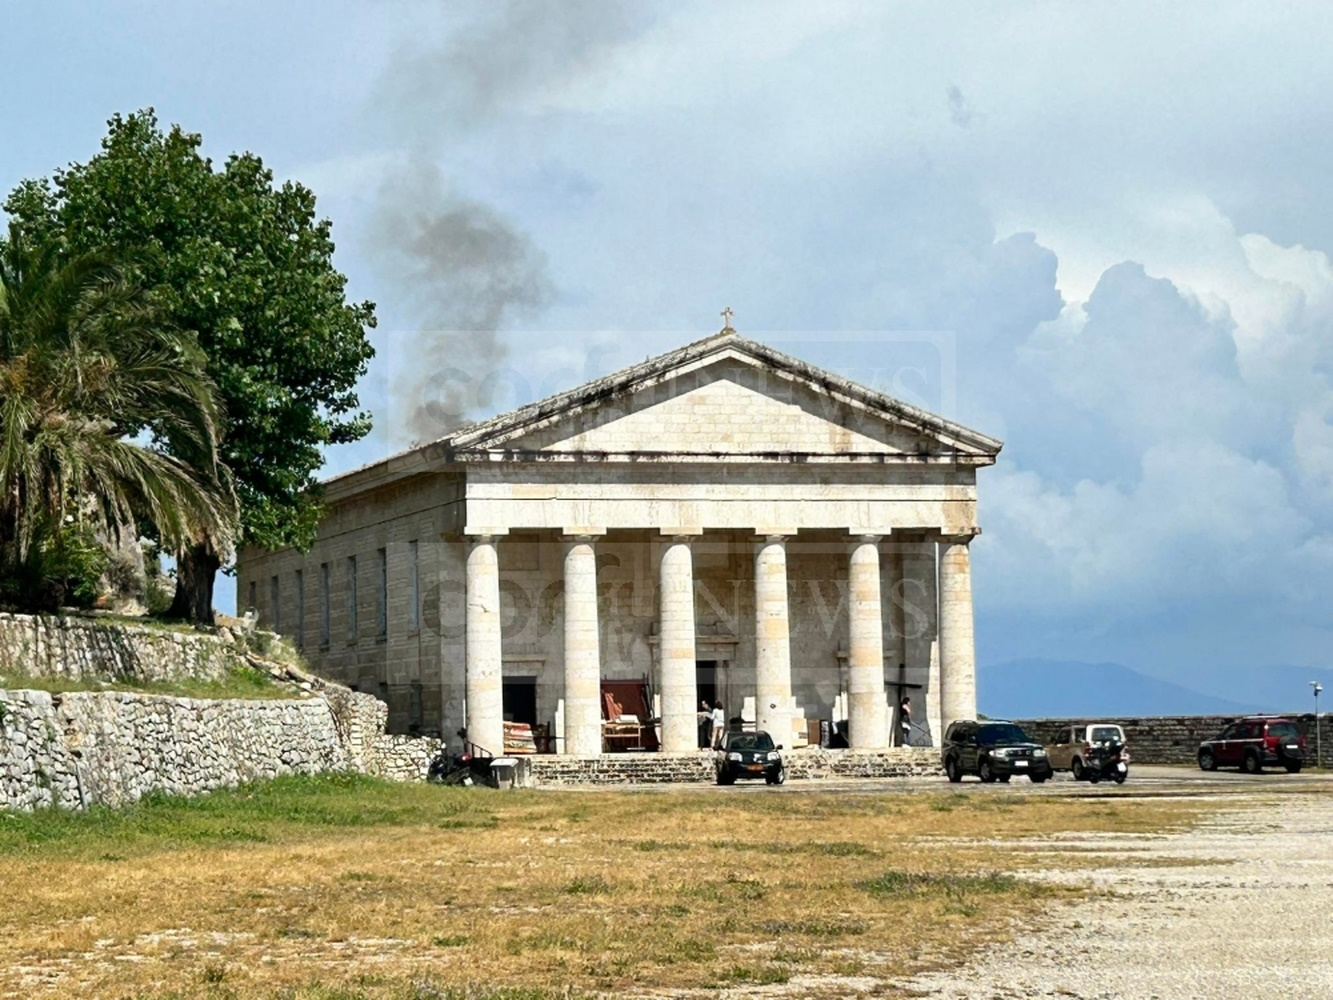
(993, 751)
(750, 755)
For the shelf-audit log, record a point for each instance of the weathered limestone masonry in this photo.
(697, 768)
(85, 648)
(723, 521)
(84, 748)
(1174, 739)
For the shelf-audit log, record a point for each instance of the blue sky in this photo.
(1100, 232)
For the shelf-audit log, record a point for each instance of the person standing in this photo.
(719, 724)
(905, 722)
(705, 725)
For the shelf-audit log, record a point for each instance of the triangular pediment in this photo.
(724, 396)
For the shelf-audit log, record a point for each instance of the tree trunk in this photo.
(196, 569)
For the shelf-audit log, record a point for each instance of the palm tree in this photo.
(91, 383)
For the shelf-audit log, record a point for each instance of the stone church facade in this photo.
(722, 522)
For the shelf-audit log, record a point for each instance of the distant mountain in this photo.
(1028, 689)
(1276, 688)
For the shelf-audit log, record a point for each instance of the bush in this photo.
(64, 568)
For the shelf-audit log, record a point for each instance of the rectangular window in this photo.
(382, 601)
(324, 626)
(274, 612)
(254, 599)
(300, 609)
(413, 588)
(414, 708)
(351, 598)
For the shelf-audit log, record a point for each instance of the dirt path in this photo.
(1244, 908)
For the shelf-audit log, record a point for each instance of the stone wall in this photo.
(83, 748)
(1174, 739)
(87, 648)
(697, 768)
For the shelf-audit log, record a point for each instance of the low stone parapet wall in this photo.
(1175, 739)
(620, 769)
(898, 762)
(555, 770)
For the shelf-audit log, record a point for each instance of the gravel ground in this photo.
(1242, 910)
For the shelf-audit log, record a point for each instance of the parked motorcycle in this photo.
(451, 770)
(1107, 760)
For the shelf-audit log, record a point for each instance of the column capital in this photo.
(581, 532)
(858, 535)
(959, 538)
(483, 533)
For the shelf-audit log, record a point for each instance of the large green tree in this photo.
(248, 266)
(93, 385)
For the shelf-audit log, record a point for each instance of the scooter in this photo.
(1109, 760)
(455, 770)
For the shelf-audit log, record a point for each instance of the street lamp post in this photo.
(1318, 747)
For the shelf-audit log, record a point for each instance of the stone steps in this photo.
(552, 770)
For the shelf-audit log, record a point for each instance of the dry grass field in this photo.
(345, 887)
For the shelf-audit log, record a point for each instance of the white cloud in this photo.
(1200, 521)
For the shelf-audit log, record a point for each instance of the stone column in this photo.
(680, 692)
(771, 639)
(866, 722)
(917, 602)
(485, 707)
(583, 661)
(958, 666)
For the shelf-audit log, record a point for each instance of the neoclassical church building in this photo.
(720, 523)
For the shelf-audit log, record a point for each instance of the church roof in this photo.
(502, 433)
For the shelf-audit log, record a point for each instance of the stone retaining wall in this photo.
(83, 748)
(1174, 739)
(88, 648)
(697, 768)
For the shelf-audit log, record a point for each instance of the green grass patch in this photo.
(654, 846)
(818, 927)
(902, 885)
(381, 988)
(589, 885)
(257, 813)
(836, 848)
(763, 975)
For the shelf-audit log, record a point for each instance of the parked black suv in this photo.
(992, 750)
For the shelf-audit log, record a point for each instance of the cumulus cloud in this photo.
(1204, 397)
(1197, 521)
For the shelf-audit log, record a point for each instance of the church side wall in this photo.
(399, 654)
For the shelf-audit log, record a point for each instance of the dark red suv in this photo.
(1254, 743)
